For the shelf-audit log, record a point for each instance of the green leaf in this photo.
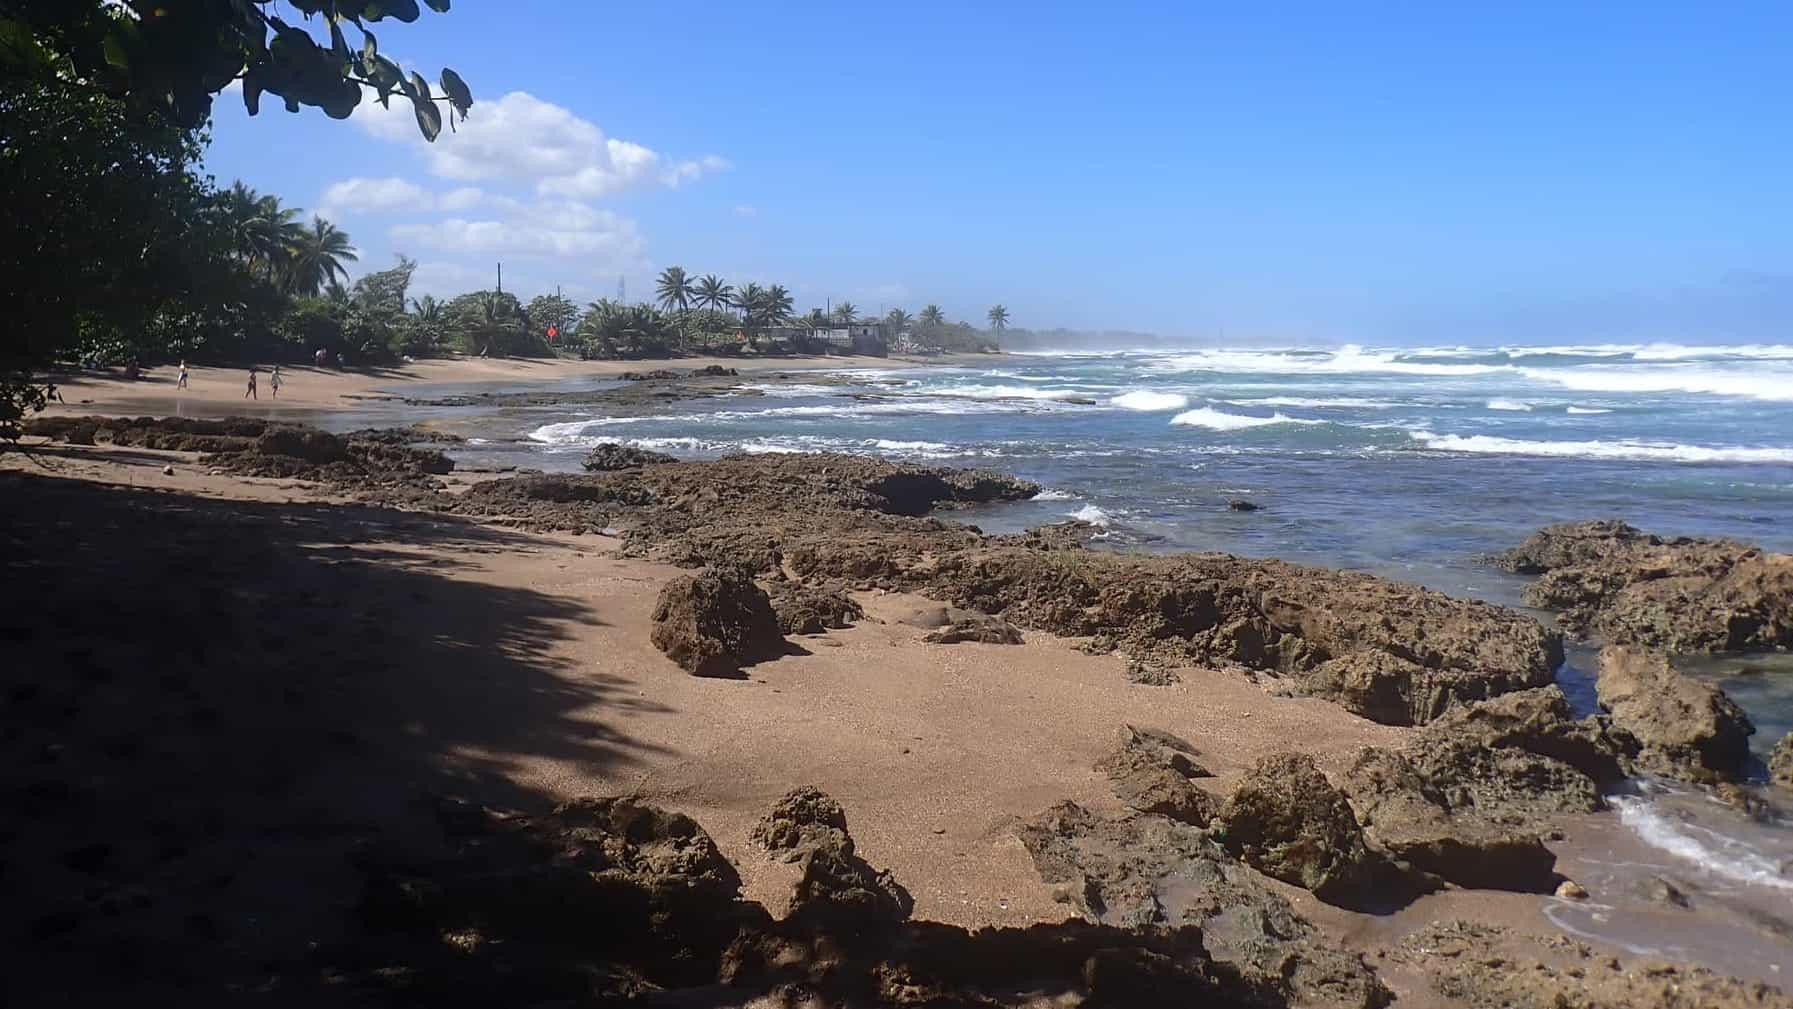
(403, 10)
(439, 6)
(252, 90)
(19, 48)
(420, 88)
(456, 90)
(340, 103)
(369, 47)
(429, 120)
(338, 44)
(114, 50)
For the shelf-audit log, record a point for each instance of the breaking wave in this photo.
(1214, 420)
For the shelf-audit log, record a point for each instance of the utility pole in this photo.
(500, 278)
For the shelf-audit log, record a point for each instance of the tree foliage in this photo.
(166, 59)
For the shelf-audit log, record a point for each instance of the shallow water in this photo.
(1407, 463)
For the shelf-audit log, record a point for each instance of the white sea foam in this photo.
(1514, 405)
(1147, 400)
(1093, 515)
(999, 392)
(1730, 857)
(1588, 409)
(1353, 402)
(1645, 451)
(1050, 494)
(1349, 359)
(1680, 352)
(1757, 382)
(1213, 419)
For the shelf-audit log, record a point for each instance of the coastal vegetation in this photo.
(127, 250)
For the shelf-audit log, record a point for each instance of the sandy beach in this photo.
(214, 391)
(363, 665)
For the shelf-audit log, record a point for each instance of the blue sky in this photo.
(1300, 172)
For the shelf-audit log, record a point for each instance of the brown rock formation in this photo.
(1688, 729)
(1149, 873)
(715, 622)
(1151, 772)
(1288, 822)
(1677, 594)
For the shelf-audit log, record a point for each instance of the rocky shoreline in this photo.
(606, 898)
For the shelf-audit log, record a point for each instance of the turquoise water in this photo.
(1405, 462)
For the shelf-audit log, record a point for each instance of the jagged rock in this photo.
(1780, 762)
(1288, 822)
(1402, 811)
(1151, 771)
(715, 622)
(1148, 673)
(840, 888)
(713, 371)
(1539, 721)
(1680, 595)
(1487, 967)
(608, 457)
(812, 609)
(1688, 729)
(805, 820)
(1148, 873)
(1242, 505)
(967, 626)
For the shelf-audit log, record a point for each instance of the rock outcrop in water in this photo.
(609, 457)
(1680, 594)
(1688, 729)
(716, 621)
(1780, 762)
(1466, 799)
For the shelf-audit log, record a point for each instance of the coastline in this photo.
(898, 730)
(219, 391)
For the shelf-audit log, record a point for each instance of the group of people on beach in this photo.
(180, 381)
(273, 383)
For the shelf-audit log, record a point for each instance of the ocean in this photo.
(1406, 462)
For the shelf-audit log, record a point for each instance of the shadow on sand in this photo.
(207, 705)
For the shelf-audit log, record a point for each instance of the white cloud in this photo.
(464, 198)
(549, 228)
(376, 195)
(746, 211)
(520, 138)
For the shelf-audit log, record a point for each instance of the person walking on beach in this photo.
(181, 383)
(250, 394)
(274, 381)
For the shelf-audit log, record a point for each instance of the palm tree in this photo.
(816, 319)
(318, 256)
(999, 318)
(261, 230)
(898, 320)
(932, 317)
(778, 305)
(713, 294)
(427, 308)
(673, 289)
(846, 312)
